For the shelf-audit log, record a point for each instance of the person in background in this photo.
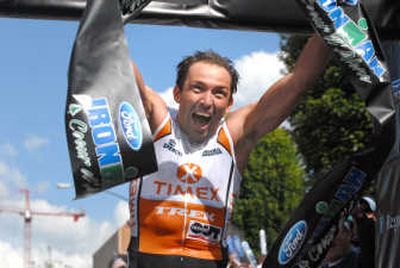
(233, 251)
(342, 253)
(365, 219)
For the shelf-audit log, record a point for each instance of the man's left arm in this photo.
(248, 124)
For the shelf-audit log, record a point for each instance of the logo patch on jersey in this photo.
(170, 146)
(204, 232)
(189, 173)
(211, 152)
(191, 213)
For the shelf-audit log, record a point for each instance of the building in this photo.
(116, 245)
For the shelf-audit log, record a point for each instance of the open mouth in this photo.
(201, 118)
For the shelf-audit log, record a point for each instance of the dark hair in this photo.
(208, 56)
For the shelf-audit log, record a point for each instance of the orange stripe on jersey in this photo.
(166, 130)
(224, 141)
(163, 230)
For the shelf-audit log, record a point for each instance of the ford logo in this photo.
(130, 125)
(292, 243)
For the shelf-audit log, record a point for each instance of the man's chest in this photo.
(199, 176)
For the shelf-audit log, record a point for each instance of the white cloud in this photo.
(10, 257)
(121, 213)
(3, 190)
(11, 176)
(72, 243)
(3, 168)
(33, 142)
(258, 71)
(8, 150)
(42, 186)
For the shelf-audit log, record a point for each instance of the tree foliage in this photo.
(331, 121)
(328, 124)
(272, 187)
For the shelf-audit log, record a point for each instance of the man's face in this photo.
(203, 100)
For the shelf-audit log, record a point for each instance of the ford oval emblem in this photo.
(292, 243)
(130, 125)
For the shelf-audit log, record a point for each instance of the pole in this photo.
(27, 229)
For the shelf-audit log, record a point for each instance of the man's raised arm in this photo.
(250, 123)
(154, 106)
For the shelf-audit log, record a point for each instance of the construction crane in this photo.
(27, 213)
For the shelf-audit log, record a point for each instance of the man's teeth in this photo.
(204, 118)
(202, 115)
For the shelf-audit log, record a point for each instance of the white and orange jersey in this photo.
(183, 209)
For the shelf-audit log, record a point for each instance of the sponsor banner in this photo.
(282, 15)
(108, 136)
(292, 242)
(387, 191)
(345, 27)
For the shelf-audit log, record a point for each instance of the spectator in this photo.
(364, 214)
(342, 254)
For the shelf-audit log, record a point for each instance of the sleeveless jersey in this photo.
(183, 209)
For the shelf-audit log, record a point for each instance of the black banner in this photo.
(266, 15)
(108, 135)
(307, 236)
(388, 185)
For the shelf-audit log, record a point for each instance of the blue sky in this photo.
(34, 58)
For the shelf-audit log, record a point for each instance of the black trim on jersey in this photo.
(227, 198)
(137, 212)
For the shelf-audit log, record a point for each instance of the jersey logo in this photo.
(211, 152)
(189, 173)
(204, 232)
(170, 146)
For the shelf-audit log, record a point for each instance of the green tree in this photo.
(272, 187)
(331, 121)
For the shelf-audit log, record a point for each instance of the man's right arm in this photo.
(154, 106)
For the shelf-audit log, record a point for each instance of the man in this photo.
(179, 214)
